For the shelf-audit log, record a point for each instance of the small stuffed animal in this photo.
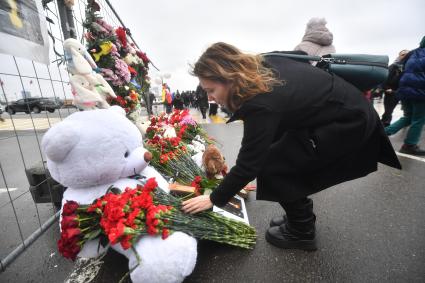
(81, 65)
(213, 162)
(91, 150)
(86, 94)
(215, 166)
(100, 50)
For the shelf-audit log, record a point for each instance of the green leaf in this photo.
(93, 235)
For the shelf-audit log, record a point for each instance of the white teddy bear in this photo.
(91, 150)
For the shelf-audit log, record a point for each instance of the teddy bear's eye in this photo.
(126, 154)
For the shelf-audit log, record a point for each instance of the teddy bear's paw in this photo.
(169, 260)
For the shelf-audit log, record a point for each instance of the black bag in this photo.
(361, 70)
(394, 74)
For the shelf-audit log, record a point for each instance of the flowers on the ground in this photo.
(172, 140)
(77, 227)
(144, 210)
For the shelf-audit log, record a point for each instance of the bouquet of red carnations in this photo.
(183, 124)
(169, 139)
(145, 210)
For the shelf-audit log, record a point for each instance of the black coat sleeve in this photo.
(260, 124)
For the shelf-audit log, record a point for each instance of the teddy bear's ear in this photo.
(117, 109)
(59, 141)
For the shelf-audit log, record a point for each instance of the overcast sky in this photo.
(175, 33)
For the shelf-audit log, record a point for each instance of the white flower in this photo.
(170, 132)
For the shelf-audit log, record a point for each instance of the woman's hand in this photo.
(197, 204)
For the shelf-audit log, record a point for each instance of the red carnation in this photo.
(121, 101)
(165, 233)
(133, 71)
(143, 56)
(69, 222)
(125, 241)
(132, 216)
(151, 184)
(69, 208)
(115, 213)
(152, 230)
(122, 36)
(116, 232)
(72, 232)
(69, 247)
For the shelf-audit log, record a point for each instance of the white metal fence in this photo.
(29, 198)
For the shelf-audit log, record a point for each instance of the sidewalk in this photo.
(370, 229)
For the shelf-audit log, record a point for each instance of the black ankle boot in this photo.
(278, 220)
(285, 237)
(298, 229)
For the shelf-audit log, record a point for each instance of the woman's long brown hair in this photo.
(246, 73)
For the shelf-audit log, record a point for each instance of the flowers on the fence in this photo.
(144, 210)
(119, 61)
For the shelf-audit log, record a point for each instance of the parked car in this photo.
(34, 104)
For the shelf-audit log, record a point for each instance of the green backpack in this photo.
(361, 70)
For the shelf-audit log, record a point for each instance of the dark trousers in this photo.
(168, 108)
(213, 109)
(300, 217)
(390, 102)
(203, 111)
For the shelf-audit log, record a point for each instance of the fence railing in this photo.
(26, 211)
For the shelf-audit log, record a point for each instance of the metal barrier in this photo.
(29, 197)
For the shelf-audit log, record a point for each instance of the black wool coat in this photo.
(313, 132)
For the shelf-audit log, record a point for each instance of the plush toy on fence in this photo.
(89, 88)
(91, 150)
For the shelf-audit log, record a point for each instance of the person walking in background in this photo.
(213, 107)
(178, 102)
(304, 130)
(186, 98)
(411, 92)
(391, 85)
(193, 99)
(151, 98)
(167, 99)
(317, 40)
(202, 101)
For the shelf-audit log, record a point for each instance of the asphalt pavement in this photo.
(369, 230)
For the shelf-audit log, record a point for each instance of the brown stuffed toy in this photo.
(213, 162)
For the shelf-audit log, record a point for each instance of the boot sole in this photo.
(306, 245)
